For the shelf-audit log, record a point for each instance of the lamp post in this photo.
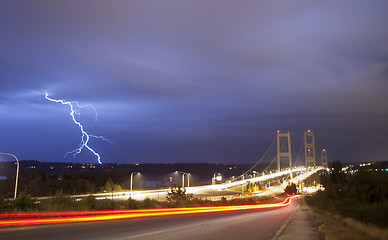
(132, 180)
(17, 172)
(218, 178)
(183, 178)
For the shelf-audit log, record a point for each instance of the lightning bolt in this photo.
(85, 136)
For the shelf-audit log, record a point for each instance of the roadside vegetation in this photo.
(291, 189)
(176, 197)
(358, 200)
(335, 227)
(41, 184)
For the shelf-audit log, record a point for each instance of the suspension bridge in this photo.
(281, 170)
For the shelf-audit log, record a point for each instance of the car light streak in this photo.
(77, 213)
(88, 216)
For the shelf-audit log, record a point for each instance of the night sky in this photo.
(193, 81)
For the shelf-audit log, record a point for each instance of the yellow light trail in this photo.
(127, 214)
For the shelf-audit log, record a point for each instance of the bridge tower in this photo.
(309, 149)
(324, 158)
(284, 154)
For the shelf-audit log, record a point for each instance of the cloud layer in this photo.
(194, 81)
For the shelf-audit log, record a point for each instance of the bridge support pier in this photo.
(324, 158)
(281, 153)
(309, 149)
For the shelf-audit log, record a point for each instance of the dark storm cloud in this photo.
(194, 80)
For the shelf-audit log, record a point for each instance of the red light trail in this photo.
(36, 218)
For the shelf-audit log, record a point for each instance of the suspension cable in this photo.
(300, 150)
(273, 141)
(296, 159)
(270, 164)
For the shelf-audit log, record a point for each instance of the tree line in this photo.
(362, 195)
(77, 182)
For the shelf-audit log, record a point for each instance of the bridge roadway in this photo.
(242, 224)
(207, 191)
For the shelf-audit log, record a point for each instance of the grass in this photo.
(336, 227)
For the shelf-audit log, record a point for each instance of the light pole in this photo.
(17, 172)
(132, 180)
(183, 178)
(218, 178)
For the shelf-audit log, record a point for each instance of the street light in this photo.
(17, 172)
(132, 180)
(218, 178)
(183, 178)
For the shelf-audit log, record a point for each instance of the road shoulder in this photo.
(300, 225)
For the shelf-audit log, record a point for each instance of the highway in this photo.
(205, 191)
(241, 224)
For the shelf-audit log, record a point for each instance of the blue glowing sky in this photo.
(194, 81)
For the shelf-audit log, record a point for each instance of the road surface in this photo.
(245, 224)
